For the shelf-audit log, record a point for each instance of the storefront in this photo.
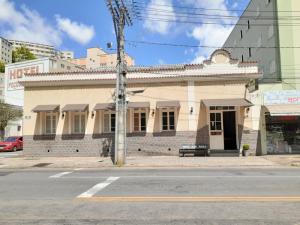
(282, 119)
(74, 114)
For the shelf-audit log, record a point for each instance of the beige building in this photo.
(70, 114)
(5, 51)
(96, 58)
(67, 55)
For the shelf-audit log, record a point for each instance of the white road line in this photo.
(98, 187)
(77, 169)
(60, 174)
(213, 177)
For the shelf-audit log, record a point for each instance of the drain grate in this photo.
(42, 164)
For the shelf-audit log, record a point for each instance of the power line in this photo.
(208, 46)
(211, 9)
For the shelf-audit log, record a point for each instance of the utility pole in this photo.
(121, 17)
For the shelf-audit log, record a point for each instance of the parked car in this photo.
(12, 144)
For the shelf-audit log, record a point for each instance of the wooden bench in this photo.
(196, 150)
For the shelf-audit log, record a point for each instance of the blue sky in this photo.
(78, 24)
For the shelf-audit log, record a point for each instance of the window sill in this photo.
(44, 137)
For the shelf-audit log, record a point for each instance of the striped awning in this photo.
(283, 110)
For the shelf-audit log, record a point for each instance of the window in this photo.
(139, 120)
(272, 67)
(215, 122)
(248, 24)
(50, 123)
(168, 120)
(241, 34)
(79, 123)
(242, 58)
(109, 122)
(62, 66)
(270, 31)
(250, 53)
(19, 129)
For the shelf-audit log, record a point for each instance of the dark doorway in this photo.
(229, 130)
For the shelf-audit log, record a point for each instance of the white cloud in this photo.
(154, 18)
(216, 32)
(26, 25)
(79, 32)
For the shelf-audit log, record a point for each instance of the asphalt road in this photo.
(150, 196)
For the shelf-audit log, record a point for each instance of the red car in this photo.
(12, 144)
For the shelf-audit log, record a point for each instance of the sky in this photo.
(79, 24)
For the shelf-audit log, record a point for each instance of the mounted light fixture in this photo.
(63, 115)
(93, 114)
(153, 112)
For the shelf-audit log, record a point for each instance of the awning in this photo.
(283, 110)
(75, 108)
(227, 102)
(168, 104)
(136, 105)
(46, 108)
(104, 106)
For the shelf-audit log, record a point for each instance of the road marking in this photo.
(1, 166)
(98, 187)
(60, 174)
(77, 169)
(212, 177)
(192, 199)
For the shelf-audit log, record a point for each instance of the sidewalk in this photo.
(21, 162)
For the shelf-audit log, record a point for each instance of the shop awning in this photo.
(283, 110)
(227, 102)
(168, 104)
(104, 106)
(136, 105)
(46, 108)
(75, 108)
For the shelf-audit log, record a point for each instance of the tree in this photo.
(7, 113)
(22, 54)
(2, 67)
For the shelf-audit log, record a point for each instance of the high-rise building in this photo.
(96, 58)
(268, 32)
(39, 50)
(5, 51)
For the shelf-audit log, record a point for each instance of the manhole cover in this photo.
(42, 164)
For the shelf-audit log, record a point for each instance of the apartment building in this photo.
(67, 55)
(96, 57)
(1, 86)
(39, 50)
(268, 32)
(5, 51)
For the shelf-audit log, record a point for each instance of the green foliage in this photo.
(246, 147)
(22, 54)
(7, 113)
(2, 67)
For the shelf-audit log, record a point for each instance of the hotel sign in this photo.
(17, 73)
(282, 97)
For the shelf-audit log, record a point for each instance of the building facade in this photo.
(180, 104)
(268, 34)
(39, 50)
(96, 58)
(5, 51)
(67, 55)
(14, 92)
(2, 87)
